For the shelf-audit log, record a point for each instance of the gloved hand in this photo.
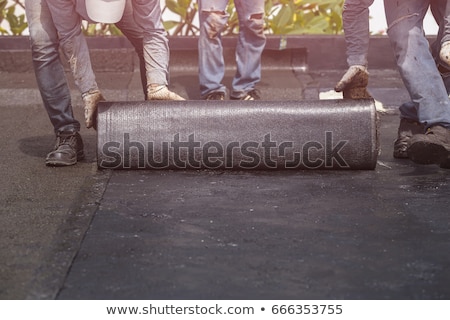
(356, 76)
(444, 54)
(354, 82)
(91, 99)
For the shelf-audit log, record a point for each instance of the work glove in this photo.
(354, 82)
(444, 54)
(90, 100)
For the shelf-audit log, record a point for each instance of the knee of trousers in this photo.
(214, 22)
(255, 23)
(410, 24)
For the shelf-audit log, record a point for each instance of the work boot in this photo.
(444, 54)
(406, 130)
(431, 147)
(251, 95)
(353, 83)
(161, 92)
(215, 96)
(68, 150)
(91, 99)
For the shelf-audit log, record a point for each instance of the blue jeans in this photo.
(135, 35)
(251, 42)
(430, 102)
(130, 29)
(147, 15)
(441, 13)
(73, 43)
(49, 71)
(445, 28)
(355, 16)
(140, 17)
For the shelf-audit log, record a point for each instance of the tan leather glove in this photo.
(90, 100)
(354, 83)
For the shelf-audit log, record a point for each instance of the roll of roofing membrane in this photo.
(238, 135)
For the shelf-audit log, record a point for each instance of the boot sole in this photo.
(52, 163)
(427, 153)
(60, 163)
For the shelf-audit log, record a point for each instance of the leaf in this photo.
(170, 24)
(113, 30)
(173, 6)
(283, 17)
(184, 3)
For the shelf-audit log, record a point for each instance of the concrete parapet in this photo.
(116, 54)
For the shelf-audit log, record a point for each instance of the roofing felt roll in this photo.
(238, 135)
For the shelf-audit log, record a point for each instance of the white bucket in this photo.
(105, 11)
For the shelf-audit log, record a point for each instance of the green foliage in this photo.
(100, 29)
(282, 17)
(17, 23)
(181, 18)
(186, 11)
(304, 17)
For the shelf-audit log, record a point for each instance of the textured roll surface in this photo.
(240, 135)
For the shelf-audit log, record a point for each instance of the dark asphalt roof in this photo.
(84, 233)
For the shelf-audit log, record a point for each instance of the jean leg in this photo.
(48, 69)
(415, 61)
(73, 43)
(446, 23)
(213, 19)
(135, 35)
(251, 42)
(439, 8)
(147, 14)
(355, 16)
(408, 111)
